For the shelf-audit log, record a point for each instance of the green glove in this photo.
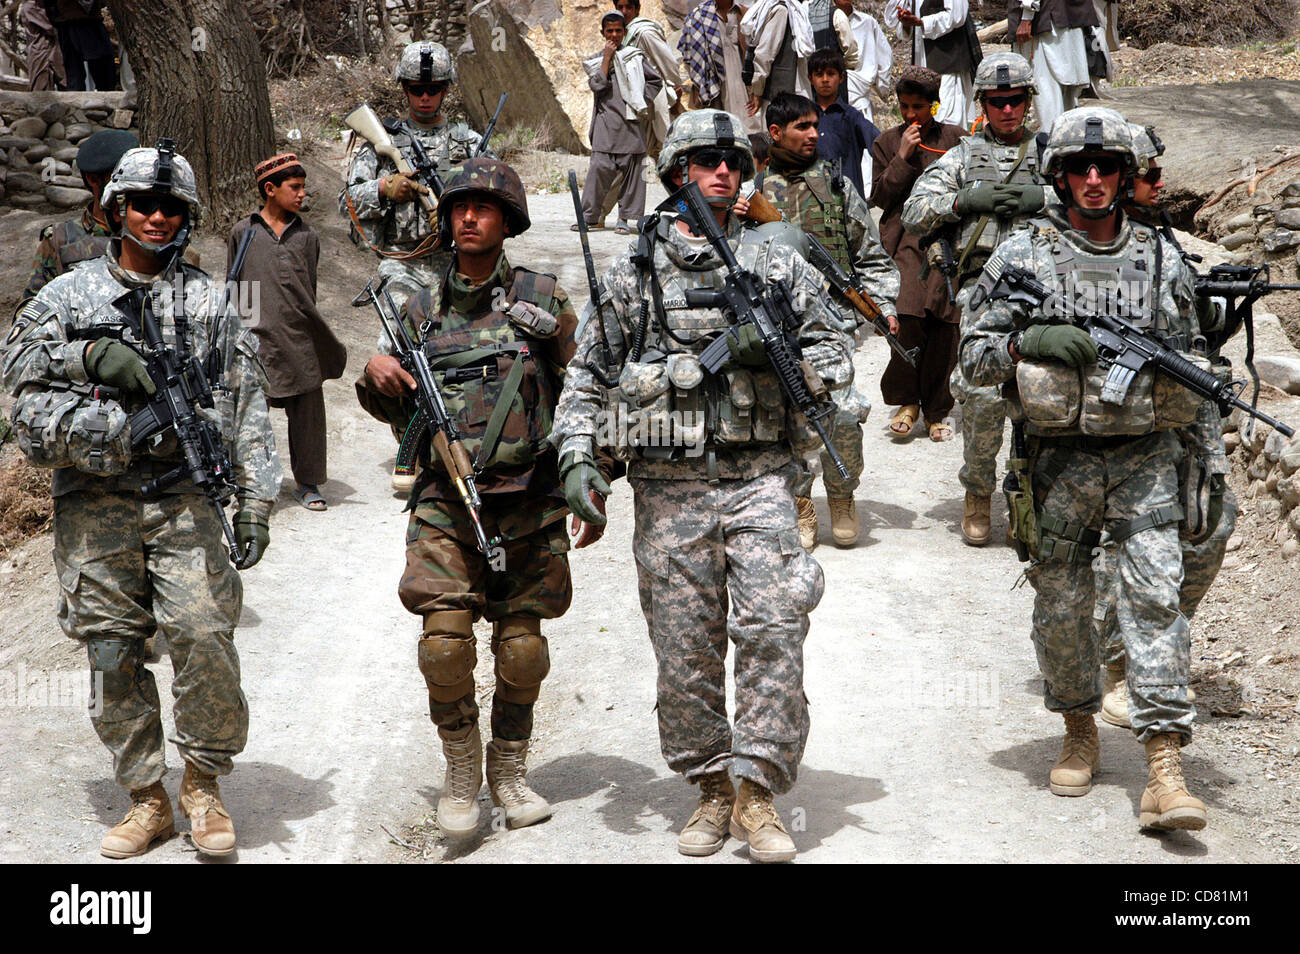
(581, 477)
(976, 199)
(1064, 343)
(253, 535)
(1012, 200)
(746, 346)
(113, 363)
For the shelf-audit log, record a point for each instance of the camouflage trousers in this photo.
(702, 548)
(1096, 484)
(129, 566)
(450, 584)
(851, 411)
(983, 420)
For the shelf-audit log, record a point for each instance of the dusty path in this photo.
(929, 741)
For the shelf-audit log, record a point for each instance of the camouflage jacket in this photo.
(400, 227)
(977, 158)
(64, 245)
(39, 353)
(841, 220)
(681, 263)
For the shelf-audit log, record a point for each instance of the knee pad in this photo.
(522, 659)
(117, 661)
(447, 658)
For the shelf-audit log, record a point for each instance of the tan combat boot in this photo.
(1080, 757)
(807, 523)
(505, 778)
(149, 819)
(755, 819)
(211, 829)
(844, 520)
(1166, 805)
(975, 520)
(1114, 699)
(707, 829)
(458, 811)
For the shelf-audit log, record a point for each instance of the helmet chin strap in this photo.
(167, 254)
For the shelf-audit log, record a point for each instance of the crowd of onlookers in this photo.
(69, 46)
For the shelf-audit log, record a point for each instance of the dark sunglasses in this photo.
(426, 89)
(1081, 165)
(712, 158)
(1153, 174)
(149, 204)
(1006, 102)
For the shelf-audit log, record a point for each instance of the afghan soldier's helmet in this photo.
(1146, 145)
(1088, 129)
(160, 171)
(703, 129)
(425, 62)
(101, 152)
(1004, 71)
(494, 177)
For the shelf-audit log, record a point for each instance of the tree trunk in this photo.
(202, 83)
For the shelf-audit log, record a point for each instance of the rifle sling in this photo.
(983, 223)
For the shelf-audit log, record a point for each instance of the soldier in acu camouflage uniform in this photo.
(85, 237)
(498, 338)
(981, 190)
(814, 197)
(129, 564)
(383, 204)
(712, 468)
(1099, 461)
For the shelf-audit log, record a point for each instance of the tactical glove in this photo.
(746, 346)
(253, 535)
(113, 363)
(581, 477)
(1065, 343)
(1012, 200)
(976, 199)
(401, 188)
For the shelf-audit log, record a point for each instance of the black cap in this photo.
(101, 152)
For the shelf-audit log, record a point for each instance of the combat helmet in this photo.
(494, 177)
(1090, 129)
(425, 62)
(160, 171)
(1146, 146)
(702, 129)
(1004, 70)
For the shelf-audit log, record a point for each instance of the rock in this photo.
(1269, 508)
(1290, 550)
(78, 131)
(1263, 211)
(97, 113)
(37, 152)
(17, 142)
(1256, 489)
(121, 119)
(25, 201)
(76, 116)
(56, 131)
(1288, 490)
(1244, 220)
(1293, 521)
(1291, 203)
(70, 182)
(1279, 239)
(1292, 190)
(1236, 240)
(67, 198)
(23, 182)
(1274, 445)
(1289, 460)
(1231, 441)
(63, 168)
(53, 112)
(1270, 482)
(1282, 373)
(66, 154)
(33, 127)
(1288, 218)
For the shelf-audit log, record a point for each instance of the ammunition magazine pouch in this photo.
(1061, 541)
(1201, 487)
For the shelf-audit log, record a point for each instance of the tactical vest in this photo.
(783, 74)
(819, 209)
(665, 406)
(1059, 399)
(950, 53)
(982, 166)
(824, 36)
(501, 398)
(73, 244)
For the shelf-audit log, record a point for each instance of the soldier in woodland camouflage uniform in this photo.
(828, 207)
(1099, 461)
(1210, 504)
(129, 564)
(981, 190)
(85, 237)
(712, 468)
(498, 338)
(384, 205)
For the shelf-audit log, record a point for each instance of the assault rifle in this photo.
(487, 133)
(431, 413)
(366, 124)
(769, 310)
(1127, 350)
(593, 289)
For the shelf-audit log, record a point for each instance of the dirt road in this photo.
(929, 741)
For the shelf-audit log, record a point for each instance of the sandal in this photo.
(940, 431)
(309, 497)
(590, 227)
(900, 425)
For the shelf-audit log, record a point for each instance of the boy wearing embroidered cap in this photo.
(295, 344)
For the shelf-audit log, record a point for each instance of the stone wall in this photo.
(39, 136)
(1272, 466)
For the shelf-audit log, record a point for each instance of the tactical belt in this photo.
(1160, 517)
